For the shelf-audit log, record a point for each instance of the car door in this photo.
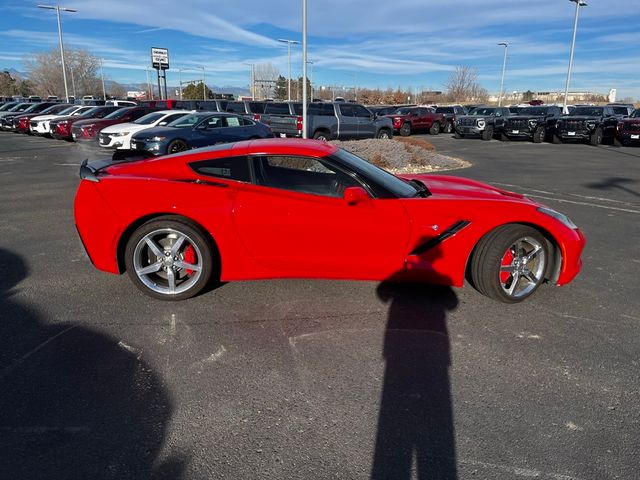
(348, 122)
(208, 132)
(366, 125)
(234, 129)
(294, 221)
(610, 122)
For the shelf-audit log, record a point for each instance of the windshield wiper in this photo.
(422, 190)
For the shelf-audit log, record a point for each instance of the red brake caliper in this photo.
(507, 259)
(189, 256)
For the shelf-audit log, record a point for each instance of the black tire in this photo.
(448, 127)
(384, 134)
(556, 139)
(504, 137)
(595, 138)
(487, 134)
(487, 263)
(539, 135)
(405, 129)
(177, 146)
(458, 135)
(435, 128)
(617, 142)
(321, 135)
(186, 284)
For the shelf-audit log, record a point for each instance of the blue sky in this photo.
(375, 43)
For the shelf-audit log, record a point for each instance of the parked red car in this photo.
(305, 209)
(21, 123)
(628, 129)
(61, 127)
(407, 120)
(89, 128)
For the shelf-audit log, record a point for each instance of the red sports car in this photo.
(306, 209)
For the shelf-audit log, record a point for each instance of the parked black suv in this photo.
(534, 123)
(202, 105)
(450, 114)
(587, 123)
(483, 121)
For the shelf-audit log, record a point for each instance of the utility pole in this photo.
(304, 68)
(204, 84)
(57, 8)
(104, 92)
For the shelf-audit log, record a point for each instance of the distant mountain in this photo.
(14, 73)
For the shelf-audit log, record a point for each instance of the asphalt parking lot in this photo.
(321, 379)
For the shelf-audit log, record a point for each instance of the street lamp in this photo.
(579, 3)
(57, 8)
(104, 92)
(289, 43)
(310, 62)
(504, 69)
(304, 68)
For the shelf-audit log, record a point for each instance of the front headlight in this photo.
(561, 217)
(159, 138)
(533, 123)
(481, 123)
(591, 125)
(121, 134)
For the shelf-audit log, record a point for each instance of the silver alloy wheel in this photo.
(522, 267)
(384, 135)
(161, 261)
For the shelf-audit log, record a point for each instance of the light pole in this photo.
(253, 79)
(310, 62)
(504, 69)
(579, 3)
(180, 80)
(289, 43)
(150, 90)
(104, 92)
(304, 68)
(73, 83)
(57, 8)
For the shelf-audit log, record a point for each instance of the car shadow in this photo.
(75, 402)
(614, 183)
(416, 414)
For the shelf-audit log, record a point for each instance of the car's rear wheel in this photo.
(405, 129)
(504, 137)
(169, 258)
(177, 146)
(509, 263)
(321, 135)
(435, 129)
(556, 139)
(458, 135)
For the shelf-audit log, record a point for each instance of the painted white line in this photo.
(585, 197)
(68, 164)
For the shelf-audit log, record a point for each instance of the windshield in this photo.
(636, 114)
(21, 107)
(118, 113)
(444, 110)
(588, 111)
(482, 111)
(186, 121)
(68, 111)
(52, 109)
(620, 110)
(91, 112)
(149, 118)
(534, 111)
(380, 177)
(7, 106)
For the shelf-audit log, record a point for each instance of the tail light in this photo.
(620, 126)
(299, 123)
(257, 117)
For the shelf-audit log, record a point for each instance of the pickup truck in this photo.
(411, 119)
(533, 123)
(587, 124)
(333, 121)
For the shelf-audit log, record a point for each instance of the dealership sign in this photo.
(160, 58)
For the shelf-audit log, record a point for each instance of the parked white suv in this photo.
(119, 136)
(40, 125)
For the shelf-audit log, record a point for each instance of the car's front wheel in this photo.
(448, 127)
(177, 146)
(405, 129)
(435, 129)
(384, 134)
(509, 263)
(539, 134)
(169, 258)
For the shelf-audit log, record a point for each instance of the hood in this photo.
(101, 122)
(630, 121)
(526, 117)
(579, 118)
(40, 118)
(458, 188)
(124, 127)
(157, 131)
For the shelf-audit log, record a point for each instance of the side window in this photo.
(136, 114)
(235, 107)
(161, 104)
(256, 107)
(231, 168)
(277, 108)
(301, 174)
(346, 110)
(213, 122)
(246, 121)
(327, 109)
(233, 121)
(360, 111)
(170, 118)
(223, 106)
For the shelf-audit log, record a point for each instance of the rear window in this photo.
(256, 107)
(321, 109)
(278, 108)
(621, 110)
(230, 168)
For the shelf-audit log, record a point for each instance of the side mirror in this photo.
(355, 195)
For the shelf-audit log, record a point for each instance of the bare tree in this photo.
(265, 78)
(462, 85)
(45, 72)
(116, 90)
